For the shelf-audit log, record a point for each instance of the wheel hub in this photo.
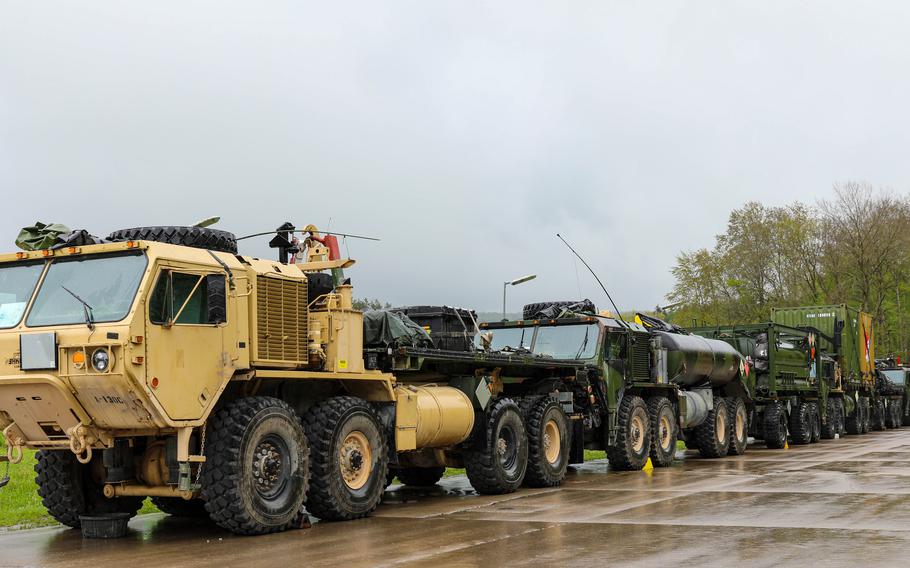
(551, 441)
(740, 425)
(665, 433)
(637, 428)
(355, 459)
(268, 467)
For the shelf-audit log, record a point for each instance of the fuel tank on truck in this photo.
(694, 360)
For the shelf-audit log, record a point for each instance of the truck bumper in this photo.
(42, 410)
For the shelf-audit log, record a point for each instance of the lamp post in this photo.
(508, 283)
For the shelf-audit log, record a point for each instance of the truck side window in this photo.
(180, 298)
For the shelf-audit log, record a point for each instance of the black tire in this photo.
(854, 422)
(739, 426)
(774, 426)
(878, 415)
(713, 435)
(68, 490)
(420, 476)
(801, 424)
(177, 507)
(196, 237)
(549, 442)
(829, 428)
(344, 490)
(815, 425)
(499, 460)
(248, 439)
(867, 415)
(841, 416)
(532, 311)
(664, 431)
(633, 437)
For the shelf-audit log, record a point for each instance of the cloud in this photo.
(465, 135)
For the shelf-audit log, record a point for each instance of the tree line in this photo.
(853, 248)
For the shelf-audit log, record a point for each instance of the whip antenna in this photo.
(594, 274)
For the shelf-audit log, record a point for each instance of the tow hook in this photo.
(79, 444)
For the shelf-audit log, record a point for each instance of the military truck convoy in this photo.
(163, 364)
(796, 390)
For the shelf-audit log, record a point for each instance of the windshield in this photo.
(557, 342)
(107, 284)
(512, 339)
(567, 341)
(896, 376)
(17, 282)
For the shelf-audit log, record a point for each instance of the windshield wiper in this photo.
(584, 345)
(86, 309)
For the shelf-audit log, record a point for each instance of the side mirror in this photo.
(217, 299)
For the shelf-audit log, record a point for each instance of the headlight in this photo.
(101, 360)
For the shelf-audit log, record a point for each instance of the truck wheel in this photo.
(349, 459)
(498, 464)
(739, 426)
(177, 507)
(815, 425)
(801, 424)
(255, 476)
(854, 422)
(775, 425)
(196, 237)
(713, 435)
(867, 415)
(420, 476)
(633, 438)
(549, 441)
(829, 428)
(663, 431)
(840, 412)
(878, 415)
(68, 489)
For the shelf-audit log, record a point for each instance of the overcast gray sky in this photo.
(464, 134)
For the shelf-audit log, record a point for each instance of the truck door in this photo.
(187, 362)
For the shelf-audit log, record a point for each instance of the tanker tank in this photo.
(693, 360)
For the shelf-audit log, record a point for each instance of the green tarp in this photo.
(383, 328)
(40, 235)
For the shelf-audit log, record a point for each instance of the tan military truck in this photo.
(167, 365)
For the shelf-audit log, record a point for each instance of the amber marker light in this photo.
(154, 382)
(79, 360)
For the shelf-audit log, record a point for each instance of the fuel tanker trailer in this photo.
(635, 388)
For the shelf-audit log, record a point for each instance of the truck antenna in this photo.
(594, 274)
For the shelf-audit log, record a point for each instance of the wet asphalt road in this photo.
(836, 503)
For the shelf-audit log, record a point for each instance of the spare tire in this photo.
(196, 237)
(552, 308)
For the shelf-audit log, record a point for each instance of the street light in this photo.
(515, 282)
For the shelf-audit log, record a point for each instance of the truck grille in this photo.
(281, 308)
(641, 353)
